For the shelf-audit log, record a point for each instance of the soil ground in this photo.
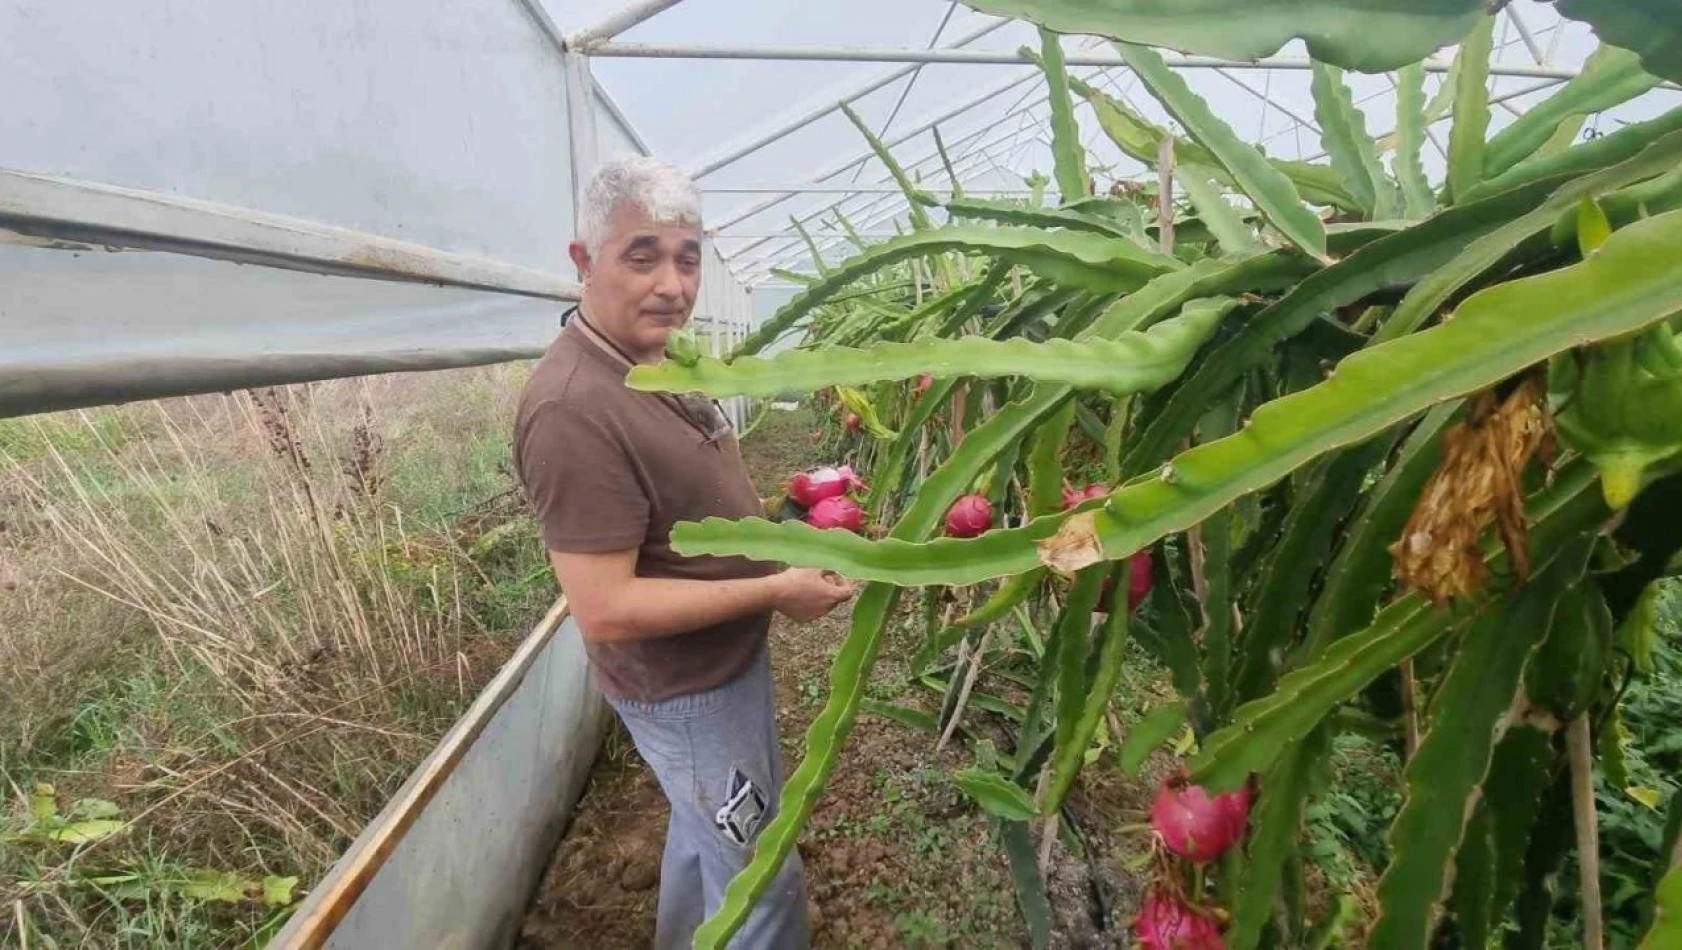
(896, 855)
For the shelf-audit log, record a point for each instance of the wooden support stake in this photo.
(1579, 748)
(1165, 194)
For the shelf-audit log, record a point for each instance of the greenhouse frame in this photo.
(206, 197)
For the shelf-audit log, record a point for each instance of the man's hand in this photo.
(804, 594)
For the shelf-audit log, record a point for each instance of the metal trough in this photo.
(452, 861)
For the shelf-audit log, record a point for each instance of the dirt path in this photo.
(895, 855)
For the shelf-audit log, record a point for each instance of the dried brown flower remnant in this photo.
(1478, 481)
(1074, 546)
(273, 410)
(363, 465)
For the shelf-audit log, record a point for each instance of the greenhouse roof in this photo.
(403, 173)
(744, 94)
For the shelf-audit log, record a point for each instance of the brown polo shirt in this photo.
(608, 468)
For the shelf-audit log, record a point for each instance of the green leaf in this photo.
(1432, 294)
(1069, 159)
(43, 804)
(1074, 641)
(1273, 193)
(1004, 212)
(1276, 828)
(1518, 777)
(1445, 775)
(1497, 332)
(1361, 572)
(1652, 28)
(1222, 219)
(904, 715)
(224, 886)
(1075, 261)
(811, 248)
(1593, 155)
(860, 406)
(1305, 696)
(1638, 635)
(1610, 77)
(1155, 728)
(84, 832)
(1593, 228)
(1565, 676)
(1611, 744)
(1089, 702)
(1343, 134)
(946, 163)
(1018, 843)
(278, 891)
(1474, 877)
(1667, 918)
(94, 808)
(857, 654)
(1045, 462)
(1397, 259)
(1368, 35)
(1171, 641)
(1133, 362)
(1417, 201)
(1142, 139)
(1471, 110)
(824, 738)
(1215, 538)
(1550, 841)
(996, 794)
(916, 198)
(1651, 797)
(1329, 491)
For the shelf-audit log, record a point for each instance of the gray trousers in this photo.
(716, 757)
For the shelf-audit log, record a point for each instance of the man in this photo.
(678, 645)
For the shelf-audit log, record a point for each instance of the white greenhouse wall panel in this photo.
(435, 121)
(453, 859)
(430, 122)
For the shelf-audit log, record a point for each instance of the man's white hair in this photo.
(662, 190)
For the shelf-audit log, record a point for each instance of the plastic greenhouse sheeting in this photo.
(444, 124)
(439, 124)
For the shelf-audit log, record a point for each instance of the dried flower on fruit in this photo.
(1479, 482)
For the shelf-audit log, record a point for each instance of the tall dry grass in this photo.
(244, 618)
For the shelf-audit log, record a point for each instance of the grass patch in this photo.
(237, 622)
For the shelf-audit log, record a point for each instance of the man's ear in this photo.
(580, 259)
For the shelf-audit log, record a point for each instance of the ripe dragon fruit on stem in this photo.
(1166, 922)
(1076, 496)
(969, 516)
(1195, 826)
(838, 512)
(808, 488)
(1138, 584)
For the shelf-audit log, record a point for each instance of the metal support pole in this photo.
(760, 264)
(976, 153)
(586, 39)
(864, 155)
(867, 54)
(965, 161)
(581, 124)
(845, 190)
(73, 215)
(1536, 53)
(732, 152)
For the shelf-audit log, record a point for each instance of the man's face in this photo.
(641, 285)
